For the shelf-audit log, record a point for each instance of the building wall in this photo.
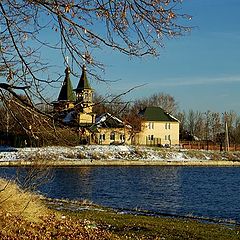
(156, 133)
(113, 136)
(85, 118)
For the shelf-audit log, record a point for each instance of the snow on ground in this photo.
(103, 152)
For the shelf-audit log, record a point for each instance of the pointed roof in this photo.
(66, 93)
(83, 82)
(156, 114)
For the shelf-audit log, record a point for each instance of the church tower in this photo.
(84, 99)
(66, 98)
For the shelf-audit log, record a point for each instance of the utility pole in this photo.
(226, 137)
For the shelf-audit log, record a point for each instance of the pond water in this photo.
(209, 192)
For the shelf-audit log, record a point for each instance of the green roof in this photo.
(156, 114)
(83, 82)
(66, 93)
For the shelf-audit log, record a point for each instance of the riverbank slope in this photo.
(115, 155)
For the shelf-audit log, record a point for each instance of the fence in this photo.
(207, 145)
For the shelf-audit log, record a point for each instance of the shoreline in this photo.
(89, 163)
(98, 155)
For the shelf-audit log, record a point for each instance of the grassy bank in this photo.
(116, 155)
(145, 227)
(24, 215)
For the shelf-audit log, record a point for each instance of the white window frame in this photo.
(102, 137)
(112, 136)
(122, 137)
(150, 125)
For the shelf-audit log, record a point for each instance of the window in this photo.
(165, 137)
(167, 126)
(112, 136)
(151, 125)
(122, 137)
(86, 96)
(102, 137)
(169, 137)
(150, 137)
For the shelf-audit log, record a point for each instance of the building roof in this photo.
(106, 120)
(66, 92)
(156, 114)
(83, 82)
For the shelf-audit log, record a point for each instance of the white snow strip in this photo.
(101, 152)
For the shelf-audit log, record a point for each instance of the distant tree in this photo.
(163, 100)
(184, 134)
(214, 125)
(114, 105)
(99, 104)
(19, 121)
(210, 126)
(195, 124)
(237, 131)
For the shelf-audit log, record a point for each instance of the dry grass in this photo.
(17, 202)
(24, 215)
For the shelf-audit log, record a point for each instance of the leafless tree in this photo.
(237, 131)
(112, 104)
(195, 124)
(211, 126)
(163, 100)
(75, 28)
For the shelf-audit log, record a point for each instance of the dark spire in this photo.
(66, 93)
(83, 82)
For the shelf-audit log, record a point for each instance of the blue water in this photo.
(211, 192)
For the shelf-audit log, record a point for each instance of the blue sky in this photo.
(201, 70)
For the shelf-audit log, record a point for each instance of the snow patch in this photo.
(101, 152)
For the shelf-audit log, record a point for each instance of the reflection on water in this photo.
(71, 183)
(200, 191)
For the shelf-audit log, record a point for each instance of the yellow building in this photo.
(157, 128)
(109, 129)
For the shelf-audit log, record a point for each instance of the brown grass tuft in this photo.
(16, 202)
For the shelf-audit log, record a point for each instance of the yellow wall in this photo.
(103, 136)
(154, 133)
(85, 118)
